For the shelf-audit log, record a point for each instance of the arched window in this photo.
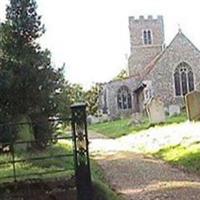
(105, 108)
(147, 37)
(183, 79)
(191, 81)
(177, 83)
(124, 99)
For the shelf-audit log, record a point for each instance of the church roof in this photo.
(137, 79)
(150, 66)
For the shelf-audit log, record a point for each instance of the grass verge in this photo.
(187, 157)
(102, 191)
(121, 127)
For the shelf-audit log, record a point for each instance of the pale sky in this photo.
(92, 36)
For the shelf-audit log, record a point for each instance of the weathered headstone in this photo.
(174, 110)
(155, 110)
(92, 119)
(104, 118)
(89, 119)
(193, 105)
(136, 119)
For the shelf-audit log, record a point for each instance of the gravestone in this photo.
(92, 119)
(155, 110)
(174, 110)
(193, 105)
(136, 119)
(104, 118)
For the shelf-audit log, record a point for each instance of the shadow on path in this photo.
(138, 177)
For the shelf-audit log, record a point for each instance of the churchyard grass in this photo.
(182, 156)
(176, 119)
(117, 128)
(121, 127)
(39, 166)
(102, 189)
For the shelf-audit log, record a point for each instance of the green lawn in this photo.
(187, 157)
(177, 119)
(39, 166)
(101, 188)
(118, 128)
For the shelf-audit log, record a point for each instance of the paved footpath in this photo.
(138, 177)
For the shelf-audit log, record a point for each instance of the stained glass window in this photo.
(177, 83)
(191, 81)
(124, 99)
(183, 79)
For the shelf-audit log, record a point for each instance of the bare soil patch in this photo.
(60, 189)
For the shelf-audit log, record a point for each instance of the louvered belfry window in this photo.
(147, 37)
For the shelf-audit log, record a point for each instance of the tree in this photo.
(63, 100)
(92, 98)
(70, 94)
(77, 94)
(122, 75)
(74, 93)
(29, 85)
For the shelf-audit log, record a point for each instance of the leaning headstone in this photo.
(155, 110)
(193, 105)
(174, 110)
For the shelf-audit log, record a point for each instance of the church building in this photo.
(154, 69)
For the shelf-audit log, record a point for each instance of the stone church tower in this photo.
(168, 72)
(146, 41)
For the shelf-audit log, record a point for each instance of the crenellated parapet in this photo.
(133, 19)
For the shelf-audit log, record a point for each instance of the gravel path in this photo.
(138, 177)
